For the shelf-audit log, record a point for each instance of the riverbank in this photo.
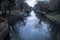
(55, 20)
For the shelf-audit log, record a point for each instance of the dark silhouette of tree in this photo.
(59, 6)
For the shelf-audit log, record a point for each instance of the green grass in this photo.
(54, 17)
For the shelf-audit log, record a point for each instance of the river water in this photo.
(32, 30)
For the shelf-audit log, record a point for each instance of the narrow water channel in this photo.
(32, 30)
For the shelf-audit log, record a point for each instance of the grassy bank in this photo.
(54, 18)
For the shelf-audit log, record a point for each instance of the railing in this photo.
(4, 6)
